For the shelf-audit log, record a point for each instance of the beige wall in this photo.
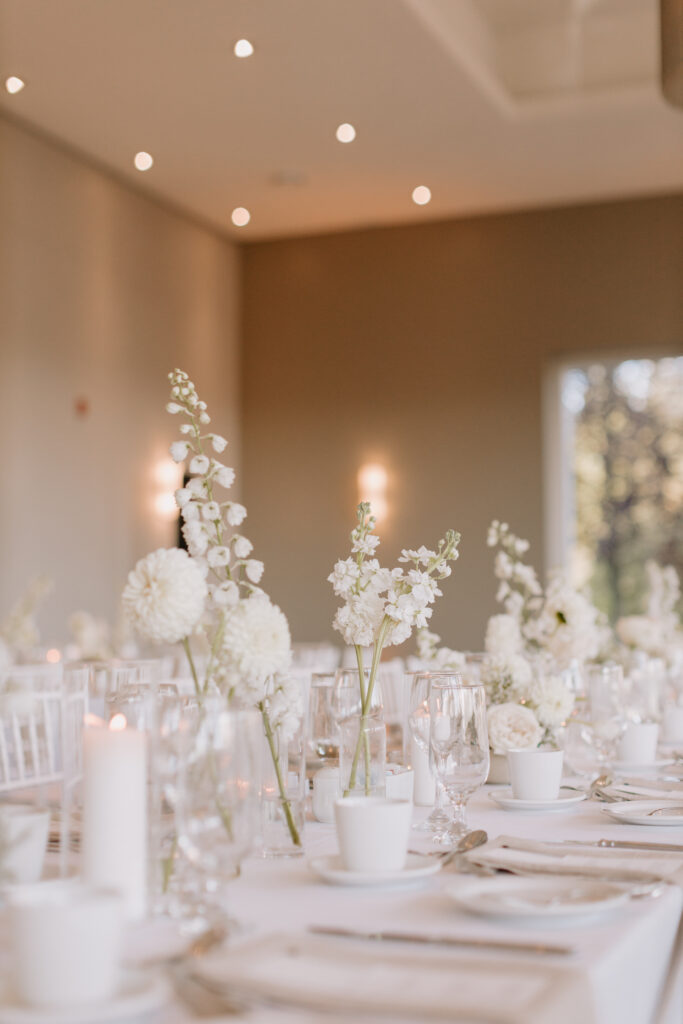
(102, 292)
(425, 348)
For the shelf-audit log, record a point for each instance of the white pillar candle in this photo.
(424, 790)
(115, 811)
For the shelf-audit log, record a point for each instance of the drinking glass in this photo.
(418, 725)
(459, 741)
(323, 738)
(597, 722)
(217, 803)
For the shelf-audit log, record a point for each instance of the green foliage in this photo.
(628, 470)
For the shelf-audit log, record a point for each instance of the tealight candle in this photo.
(115, 810)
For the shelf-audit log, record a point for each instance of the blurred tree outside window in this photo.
(627, 469)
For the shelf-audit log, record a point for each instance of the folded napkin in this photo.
(528, 856)
(366, 980)
(635, 788)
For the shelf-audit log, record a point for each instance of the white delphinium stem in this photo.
(519, 590)
(233, 575)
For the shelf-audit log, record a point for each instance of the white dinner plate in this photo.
(634, 767)
(140, 995)
(532, 899)
(505, 799)
(638, 812)
(418, 865)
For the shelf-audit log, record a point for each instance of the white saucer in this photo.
(139, 996)
(634, 766)
(636, 812)
(418, 866)
(532, 899)
(505, 799)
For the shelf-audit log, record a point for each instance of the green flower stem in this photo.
(286, 806)
(193, 670)
(363, 740)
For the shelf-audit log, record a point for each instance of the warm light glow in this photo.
(92, 721)
(143, 161)
(14, 84)
(243, 48)
(118, 723)
(346, 133)
(240, 216)
(421, 195)
(168, 473)
(372, 487)
(165, 506)
(53, 656)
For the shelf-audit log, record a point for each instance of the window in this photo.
(619, 478)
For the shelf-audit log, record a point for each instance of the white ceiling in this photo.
(494, 104)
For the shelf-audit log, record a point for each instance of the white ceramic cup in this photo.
(24, 830)
(535, 774)
(326, 791)
(66, 941)
(373, 833)
(673, 725)
(638, 744)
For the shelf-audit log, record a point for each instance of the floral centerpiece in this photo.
(657, 632)
(213, 589)
(382, 606)
(19, 632)
(529, 647)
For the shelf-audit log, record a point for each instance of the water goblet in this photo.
(418, 725)
(459, 742)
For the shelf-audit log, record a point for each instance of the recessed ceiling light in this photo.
(143, 161)
(240, 217)
(243, 48)
(14, 84)
(421, 195)
(346, 133)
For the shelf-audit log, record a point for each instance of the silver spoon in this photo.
(468, 842)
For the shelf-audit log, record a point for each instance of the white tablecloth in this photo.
(622, 960)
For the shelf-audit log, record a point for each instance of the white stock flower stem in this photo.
(286, 806)
(387, 623)
(193, 670)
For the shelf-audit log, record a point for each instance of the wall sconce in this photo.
(168, 477)
(372, 487)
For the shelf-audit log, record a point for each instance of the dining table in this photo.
(624, 966)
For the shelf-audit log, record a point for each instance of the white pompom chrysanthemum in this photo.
(256, 645)
(164, 596)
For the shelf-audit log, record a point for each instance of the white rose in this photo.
(512, 727)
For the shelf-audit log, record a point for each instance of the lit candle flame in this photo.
(118, 723)
(53, 656)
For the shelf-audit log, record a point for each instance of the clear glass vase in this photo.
(283, 783)
(362, 755)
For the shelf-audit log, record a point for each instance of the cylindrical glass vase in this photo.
(362, 755)
(283, 776)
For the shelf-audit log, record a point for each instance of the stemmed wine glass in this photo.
(418, 724)
(458, 738)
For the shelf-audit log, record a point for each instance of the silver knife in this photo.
(624, 844)
(443, 940)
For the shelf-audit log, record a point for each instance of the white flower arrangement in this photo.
(213, 588)
(561, 621)
(382, 606)
(658, 631)
(91, 637)
(432, 656)
(19, 631)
